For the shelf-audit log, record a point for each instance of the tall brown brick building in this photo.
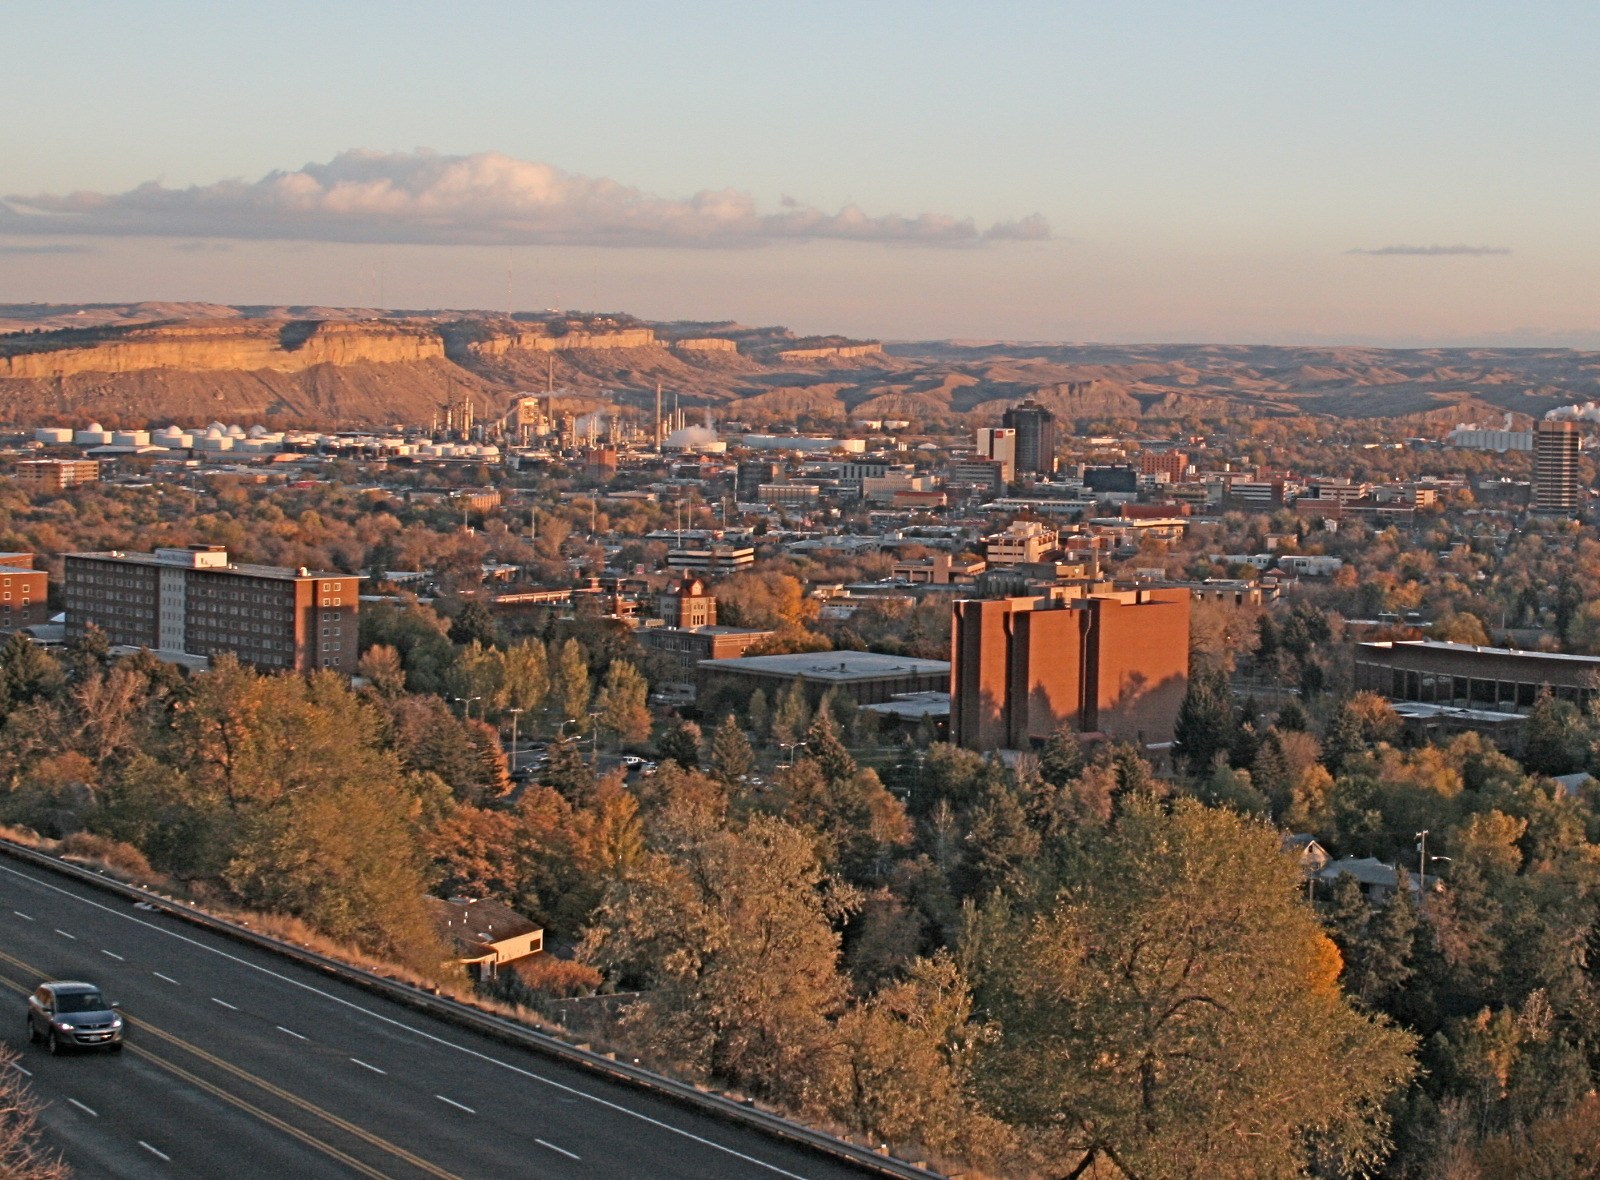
(196, 602)
(23, 593)
(1115, 664)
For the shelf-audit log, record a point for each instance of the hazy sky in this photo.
(1405, 173)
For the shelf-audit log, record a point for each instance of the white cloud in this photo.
(1434, 251)
(485, 199)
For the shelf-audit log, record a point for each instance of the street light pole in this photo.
(1422, 866)
(515, 713)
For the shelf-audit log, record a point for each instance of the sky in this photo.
(1397, 173)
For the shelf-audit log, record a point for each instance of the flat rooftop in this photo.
(1471, 649)
(281, 572)
(833, 666)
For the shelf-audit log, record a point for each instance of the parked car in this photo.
(73, 1015)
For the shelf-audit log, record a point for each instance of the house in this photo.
(1309, 854)
(484, 934)
(1377, 880)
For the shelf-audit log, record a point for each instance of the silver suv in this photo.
(69, 1015)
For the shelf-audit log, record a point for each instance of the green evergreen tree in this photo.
(759, 713)
(825, 749)
(1062, 758)
(792, 715)
(476, 624)
(1343, 739)
(1553, 740)
(681, 744)
(1292, 718)
(1205, 721)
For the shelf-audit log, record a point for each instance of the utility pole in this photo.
(1422, 866)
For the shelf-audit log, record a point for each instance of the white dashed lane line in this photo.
(454, 1103)
(112, 955)
(23, 916)
(224, 1003)
(83, 1108)
(291, 1032)
(27, 1073)
(364, 1065)
(64, 934)
(168, 978)
(562, 1150)
(155, 1151)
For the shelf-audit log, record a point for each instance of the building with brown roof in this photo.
(483, 935)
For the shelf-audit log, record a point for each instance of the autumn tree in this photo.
(1175, 1010)
(22, 1157)
(622, 702)
(732, 759)
(729, 932)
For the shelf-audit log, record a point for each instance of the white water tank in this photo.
(52, 434)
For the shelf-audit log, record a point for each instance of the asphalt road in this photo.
(242, 1064)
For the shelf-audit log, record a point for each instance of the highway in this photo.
(240, 1063)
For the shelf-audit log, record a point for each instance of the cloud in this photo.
(1434, 251)
(202, 247)
(486, 199)
(45, 248)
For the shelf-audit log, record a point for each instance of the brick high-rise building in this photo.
(1115, 664)
(23, 593)
(196, 602)
(1555, 467)
(1172, 464)
(1036, 437)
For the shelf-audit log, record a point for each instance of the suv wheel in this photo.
(53, 1043)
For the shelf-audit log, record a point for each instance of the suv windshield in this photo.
(80, 1002)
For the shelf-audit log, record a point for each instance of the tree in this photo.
(731, 756)
(759, 713)
(1175, 1011)
(475, 624)
(569, 688)
(1205, 721)
(21, 1156)
(380, 666)
(524, 677)
(729, 933)
(825, 749)
(624, 711)
(791, 715)
(681, 744)
(1553, 740)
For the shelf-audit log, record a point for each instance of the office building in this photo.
(1173, 466)
(861, 676)
(23, 593)
(1114, 663)
(999, 446)
(1555, 467)
(55, 475)
(1023, 541)
(1036, 437)
(714, 559)
(196, 603)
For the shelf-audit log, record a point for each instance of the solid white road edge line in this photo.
(427, 1036)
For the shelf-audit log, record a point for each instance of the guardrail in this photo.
(509, 1031)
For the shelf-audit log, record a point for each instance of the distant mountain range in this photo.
(151, 363)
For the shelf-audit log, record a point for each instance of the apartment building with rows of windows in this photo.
(23, 593)
(196, 603)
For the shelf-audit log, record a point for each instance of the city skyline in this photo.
(1383, 174)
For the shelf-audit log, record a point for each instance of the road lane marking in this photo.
(168, 978)
(361, 1133)
(617, 1107)
(272, 1121)
(113, 955)
(86, 1110)
(454, 1103)
(553, 1147)
(27, 1073)
(224, 1003)
(22, 915)
(373, 1068)
(291, 1032)
(64, 934)
(155, 1151)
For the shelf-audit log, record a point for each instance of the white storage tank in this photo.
(93, 435)
(54, 435)
(130, 438)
